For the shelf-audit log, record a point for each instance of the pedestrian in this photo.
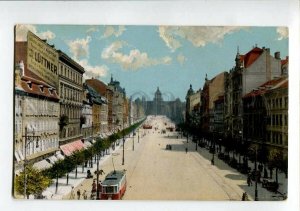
(245, 197)
(78, 194)
(249, 181)
(186, 150)
(72, 194)
(94, 186)
(84, 195)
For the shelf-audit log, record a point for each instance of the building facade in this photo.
(70, 93)
(86, 118)
(36, 115)
(277, 124)
(118, 101)
(107, 94)
(250, 71)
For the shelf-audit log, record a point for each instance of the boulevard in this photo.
(155, 173)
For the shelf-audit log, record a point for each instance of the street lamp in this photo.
(123, 133)
(28, 140)
(138, 135)
(133, 140)
(97, 197)
(255, 174)
(213, 151)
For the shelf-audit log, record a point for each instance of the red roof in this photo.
(285, 61)
(281, 82)
(38, 88)
(251, 56)
(97, 85)
(273, 82)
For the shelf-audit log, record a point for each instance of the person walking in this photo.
(186, 150)
(78, 194)
(249, 181)
(72, 194)
(245, 197)
(84, 195)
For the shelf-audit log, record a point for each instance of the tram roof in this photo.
(113, 178)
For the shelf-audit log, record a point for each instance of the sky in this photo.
(143, 58)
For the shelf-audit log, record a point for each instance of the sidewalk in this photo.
(263, 193)
(63, 189)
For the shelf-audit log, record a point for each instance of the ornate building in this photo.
(174, 109)
(118, 101)
(250, 71)
(70, 93)
(86, 118)
(106, 93)
(36, 118)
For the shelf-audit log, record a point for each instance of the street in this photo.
(154, 173)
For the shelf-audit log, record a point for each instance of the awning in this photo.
(21, 155)
(17, 156)
(53, 159)
(41, 165)
(87, 144)
(59, 155)
(69, 148)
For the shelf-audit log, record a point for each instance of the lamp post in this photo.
(97, 186)
(255, 173)
(138, 135)
(213, 150)
(133, 140)
(123, 156)
(255, 167)
(28, 140)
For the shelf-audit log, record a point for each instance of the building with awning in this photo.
(41, 165)
(70, 148)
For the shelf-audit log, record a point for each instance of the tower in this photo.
(157, 102)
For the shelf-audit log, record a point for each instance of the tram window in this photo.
(109, 189)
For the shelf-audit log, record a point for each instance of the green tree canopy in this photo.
(36, 182)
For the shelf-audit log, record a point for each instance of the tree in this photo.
(276, 161)
(36, 182)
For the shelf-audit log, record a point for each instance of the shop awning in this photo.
(53, 159)
(21, 155)
(87, 144)
(43, 164)
(17, 156)
(59, 156)
(69, 148)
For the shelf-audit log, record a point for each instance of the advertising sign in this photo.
(42, 59)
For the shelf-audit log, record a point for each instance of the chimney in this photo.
(277, 55)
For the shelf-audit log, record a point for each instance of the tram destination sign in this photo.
(42, 59)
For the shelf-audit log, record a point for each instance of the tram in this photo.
(114, 186)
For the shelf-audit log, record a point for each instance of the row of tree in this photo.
(270, 157)
(37, 181)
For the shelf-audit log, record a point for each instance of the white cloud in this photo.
(113, 30)
(166, 33)
(97, 71)
(21, 33)
(283, 32)
(92, 29)
(48, 35)
(181, 58)
(134, 60)
(79, 47)
(198, 36)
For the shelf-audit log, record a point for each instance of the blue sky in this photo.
(143, 58)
